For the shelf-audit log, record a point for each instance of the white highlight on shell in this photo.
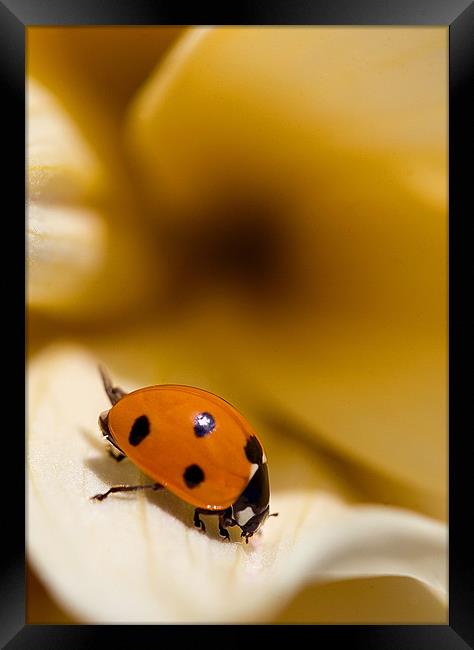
(253, 469)
(204, 420)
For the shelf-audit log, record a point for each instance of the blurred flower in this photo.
(323, 151)
(272, 229)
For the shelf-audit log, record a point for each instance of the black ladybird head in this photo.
(251, 508)
(104, 423)
(254, 523)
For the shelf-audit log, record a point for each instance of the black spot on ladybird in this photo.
(253, 451)
(139, 430)
(204, 424)
(193, 476)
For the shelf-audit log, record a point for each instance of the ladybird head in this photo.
(254, 523)
(252, 507)
(104, 423)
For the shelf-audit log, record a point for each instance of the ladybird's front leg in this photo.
(116, 456)
(228, 519)
(198, 522)
(223, 522)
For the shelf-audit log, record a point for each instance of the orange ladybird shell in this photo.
(155, 428)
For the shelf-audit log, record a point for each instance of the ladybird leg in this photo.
(223, 532)
(126, 488)
(114, 393)
(116, 456)
(113, 449)
(227, 518)
(197, 521)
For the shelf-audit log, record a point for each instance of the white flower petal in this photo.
(137, 558)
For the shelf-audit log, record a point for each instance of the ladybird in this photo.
(196, 445)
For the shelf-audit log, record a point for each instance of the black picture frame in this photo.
(15, 17)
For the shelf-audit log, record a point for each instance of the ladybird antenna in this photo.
(114, 393)
(104, 375)
(274, 514)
